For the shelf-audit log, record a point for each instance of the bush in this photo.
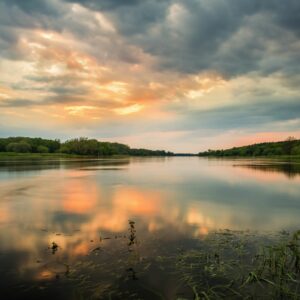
(296, 150)
(21, 147)
(64, 149)
(42, 149)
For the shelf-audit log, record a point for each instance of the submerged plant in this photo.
(132, 233)
(279, 267)
(225, 266)
(54, 247)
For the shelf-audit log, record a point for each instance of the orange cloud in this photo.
(80, 196)
(60, 58)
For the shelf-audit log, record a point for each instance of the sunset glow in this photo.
(221, 73)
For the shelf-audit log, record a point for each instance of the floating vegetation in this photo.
(226, 266)
(132, 233)
(54, 247)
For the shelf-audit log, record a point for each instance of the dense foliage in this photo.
(26, 145)
(79, 146)
(291, 146)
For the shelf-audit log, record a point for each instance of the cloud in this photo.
(232, 37)
(49, 7)
(129, 109)
(132, 67)
(251, 116)
(17, 103)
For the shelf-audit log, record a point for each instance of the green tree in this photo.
(21, 147)
(289, 144)
(42, 149)
(296, 150)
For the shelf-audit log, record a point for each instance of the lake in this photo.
(115, 228)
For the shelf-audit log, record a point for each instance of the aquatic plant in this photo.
(226, 266)
(54, 247)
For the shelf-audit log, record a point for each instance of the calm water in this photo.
(86, 207)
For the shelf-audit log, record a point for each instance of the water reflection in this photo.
(58, 214)
(41, 165)
(291, 170)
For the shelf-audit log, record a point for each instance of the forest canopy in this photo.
(290, 146)
(78, 146)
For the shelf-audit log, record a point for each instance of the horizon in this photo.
(183, 76)
(167, 150)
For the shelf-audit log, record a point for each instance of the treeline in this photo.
(78, 146)
(291, 146)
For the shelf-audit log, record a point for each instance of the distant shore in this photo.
(11, 156)
(5, 156)
(288, 148)
(27, 147)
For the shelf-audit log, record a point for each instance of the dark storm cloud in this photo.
(130, 16)
(56, 99)
(257, 116)
(25, 14)
(210, 12)
(108, 4)
(8, 38)
(233, 37)
(46, 7)
(20, 15)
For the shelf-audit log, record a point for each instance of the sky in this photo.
(179, 75)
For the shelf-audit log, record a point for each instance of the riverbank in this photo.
(32, 156)
(10, 156)
(269, 157)
(291, 157)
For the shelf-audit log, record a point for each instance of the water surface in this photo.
(109, 219)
